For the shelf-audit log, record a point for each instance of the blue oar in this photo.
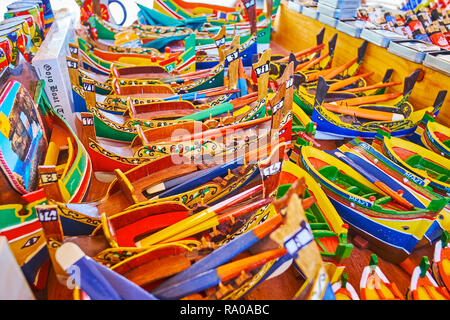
(99, 282)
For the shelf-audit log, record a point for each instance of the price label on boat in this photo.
(274, 168)
(249, 4)
(49, 177)
(262, 69)
(47, 215)
(87, 121)
(72, 64)
(88, 87)
(278, 106)
(220, 42)
(299, 240)
(232, 56)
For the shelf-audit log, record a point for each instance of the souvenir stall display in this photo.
(206, 152)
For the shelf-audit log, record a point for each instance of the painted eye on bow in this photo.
(30, 242)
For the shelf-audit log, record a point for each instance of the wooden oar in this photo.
(369, 99)
(199, 217)
(374, 86)
(394, 195)
(304, 52)
(218, 275)
(364, 113)
(345, 82)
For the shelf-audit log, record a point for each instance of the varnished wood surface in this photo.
(295, 32)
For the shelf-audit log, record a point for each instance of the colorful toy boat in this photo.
(423, 286)
(426, 164)
(440, 266)
(183, 63)
(375, 285)
(394, 228)
(343, 290)
(399, 179)
(24, 177)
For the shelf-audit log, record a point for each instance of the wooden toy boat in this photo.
(423, 286)
(440, 265)
(424, 163)
(28, 166)
(107, 154)
(339, 121)
(394, 227)
(343, 90)
(343, 290)
(431, 134)
(414, 189)
(279, 62)
(375, 285)
(330, 232)
(309, 77)
(220, 15)
(165, 179)
(182, 60)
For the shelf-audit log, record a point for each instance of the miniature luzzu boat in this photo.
(214, 276)
(392, 226)
(433, 135)
(170, 178)
(375, 285)
(425, 163)
(340, 121)
(441, 259)
(28, 127)
(343, 290)
(100, 61)
(119, 123)
(399, 179)
(423, 286)
(330, 232)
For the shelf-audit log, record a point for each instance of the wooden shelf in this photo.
(295, 32)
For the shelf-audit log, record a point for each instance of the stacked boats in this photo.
(195, 169)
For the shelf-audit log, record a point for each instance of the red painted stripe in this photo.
(21, 230)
